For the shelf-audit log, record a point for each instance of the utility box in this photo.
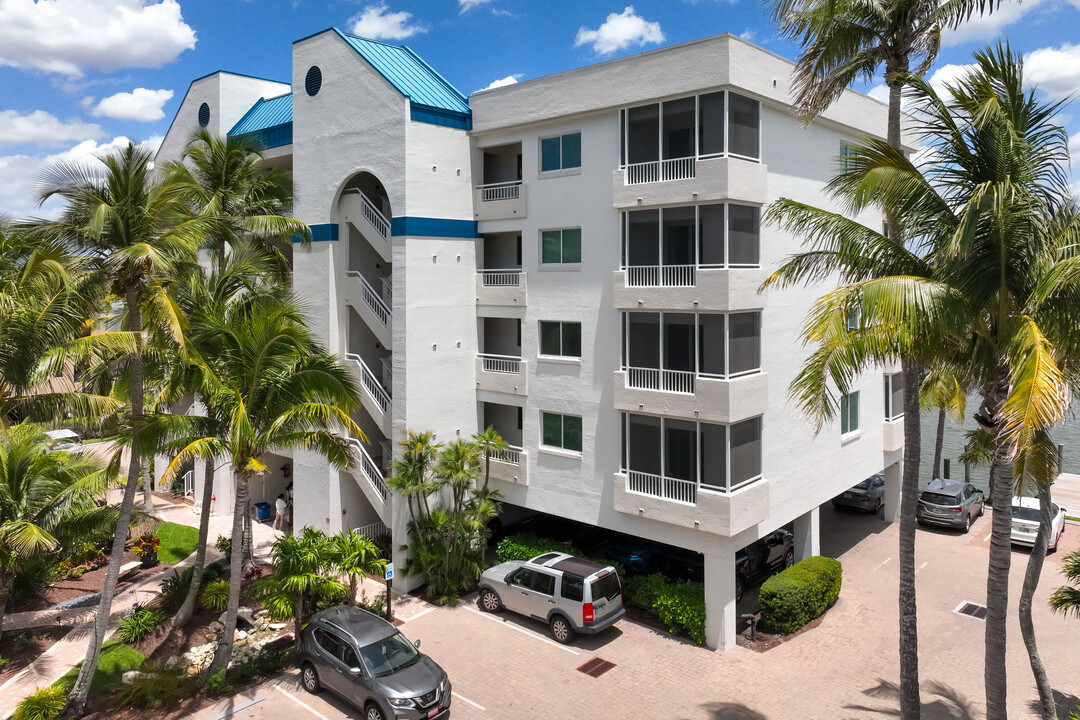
(262, 512)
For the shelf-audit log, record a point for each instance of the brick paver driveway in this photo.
(506, 667)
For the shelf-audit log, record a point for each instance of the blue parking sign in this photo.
(390, 571)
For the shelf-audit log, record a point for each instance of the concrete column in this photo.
(893, 473)
(315, 493)
(808, 535)
(720, 621)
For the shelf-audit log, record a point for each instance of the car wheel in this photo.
(967, 523)
(561, 629)
(738, 587)
(373, 712)
(789, 558)
(880, 506)
(1057, 538)
(310, 679)
(489, 601)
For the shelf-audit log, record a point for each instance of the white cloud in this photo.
(508, 80)
(42, 128)
(69, 36)
(139, 104)
(467, 5)
(991, 26)
(748, 35)
(948, 74)
(377, 23)
(1055, 71)
(619, 31)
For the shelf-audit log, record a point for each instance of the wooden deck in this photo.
(1066, 493)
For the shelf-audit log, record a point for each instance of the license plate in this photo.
(433, 712)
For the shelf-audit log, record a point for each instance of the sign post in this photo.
(389, 584)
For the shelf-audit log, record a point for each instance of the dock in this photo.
(1066, 493)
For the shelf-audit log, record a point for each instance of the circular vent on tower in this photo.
(204, 115)
(313, 81)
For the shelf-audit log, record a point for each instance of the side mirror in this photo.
(416, 644)
(355, 671)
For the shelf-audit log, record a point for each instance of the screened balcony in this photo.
(499, 279)
(499, 365)
(501, 195)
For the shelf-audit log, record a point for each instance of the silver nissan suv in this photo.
(570, 594)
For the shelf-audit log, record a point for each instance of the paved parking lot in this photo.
(505, 666)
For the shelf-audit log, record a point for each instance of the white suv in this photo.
(570, 594)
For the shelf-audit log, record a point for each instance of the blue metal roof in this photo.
(265, 114)
(433, 99)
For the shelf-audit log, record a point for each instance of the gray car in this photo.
(869, 495)
(366, 661)
(951, 503)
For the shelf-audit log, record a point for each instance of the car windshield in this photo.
(940, 498)
(864, 485)
(1031, 514)
(389, 655)
(605, 587)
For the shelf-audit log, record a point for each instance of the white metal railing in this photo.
(387, 290)
(661, 276)
(662, 487)
(679, 381)
(369, 469)
(388, 374)
(510, 456)
(189, 483)
(501, 278)
(660, 170)
(371, 298)
(373, 215)
(371, 383)
(500, 191)
(501, 363)
(373, 530)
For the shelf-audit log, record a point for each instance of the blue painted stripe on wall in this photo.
(326, 232)
(433, 227)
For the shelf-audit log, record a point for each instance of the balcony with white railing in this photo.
(511, 465)
(369, 303)
(502, 373)
(660, 171)
(677, 287)
(367, 469)
(376, 400)
(713, 178)
(669, 488)
(500, 201)
(677, 381)
(687, 504)
(661, 276)
(691, 395)
(359, 211)
(502, 287)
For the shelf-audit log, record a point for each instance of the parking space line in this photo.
(988, 536)
(883, 563)
(421, 614)
(300, 702)
(523, 631)
(465, 699)
(922, 566)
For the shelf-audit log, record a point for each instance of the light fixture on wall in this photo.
(285, 470)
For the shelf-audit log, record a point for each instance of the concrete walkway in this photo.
(71, 649)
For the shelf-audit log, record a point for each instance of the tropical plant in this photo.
(43, 704)
(1066, 599)
(146, 544)
(489, 443)
(215, 595)
(941, 389)
(138, 624)
(355, 555)
(174, 588)
(48, 501)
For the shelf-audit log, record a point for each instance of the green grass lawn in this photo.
(116, 658)
(177, 541)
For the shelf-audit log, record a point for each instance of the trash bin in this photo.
(262, 512)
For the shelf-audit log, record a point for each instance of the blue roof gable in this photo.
(270, 119)
(431, 97)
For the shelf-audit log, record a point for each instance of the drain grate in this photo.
(971, 610)
(596, 667)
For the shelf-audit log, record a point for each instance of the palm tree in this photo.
(411, 472)
(356, 555)
(48, 501)
(997, 293)
(137, 233)
(490, 443)
(1066, 599)
(942, 389)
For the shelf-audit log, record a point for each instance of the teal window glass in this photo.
(849, 413)
(560, 153)
(561, 431)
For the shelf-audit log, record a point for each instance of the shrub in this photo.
(217, 685)
(215, 595)
(146, 544)
(799, 594)
(161, 687)
(679, 605)
(174, 589)
(33, 578)
(526, 546)
(376, 605)
(223, 544)
(642, 590)
(43, 704)
(138, 624)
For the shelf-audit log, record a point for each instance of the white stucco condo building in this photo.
(575, 260)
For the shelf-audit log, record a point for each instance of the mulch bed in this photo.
(765, 641)
(22, 647)
(165, 642)
(69, 588)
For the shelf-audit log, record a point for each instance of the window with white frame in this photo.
(894, 396)
(705, 125)
(560, 431)
(714, 235)
(849, 413)
(560, 339)
(560, 247)
(561, 152)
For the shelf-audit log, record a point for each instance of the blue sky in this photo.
(79, 77)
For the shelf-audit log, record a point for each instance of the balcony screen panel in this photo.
(644, 340)
(643, 444)
(679, 128)
(711, 340)
(711, 123)
(714, 456)
(680, 449)
(745, 451)
(744, 241)
(711, 235)
(744, 126)
(643, 236)
(744, 348)
(896, 406)
(643, 144)
(679, 236)
(678, 341)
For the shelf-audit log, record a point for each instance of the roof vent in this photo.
(204, 115)
(596, 667)
(313, 80)
(971, 609)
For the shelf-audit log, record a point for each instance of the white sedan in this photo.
(1025, 522)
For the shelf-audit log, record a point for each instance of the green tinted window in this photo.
(571, 150)
(551, 246)
(562, 431)
(552, 425)
(560, 247)
(550, 154)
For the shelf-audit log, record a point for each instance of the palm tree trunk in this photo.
(148, 497)
(183, 615)
(997, 576)
(910, 699)
(487, 469)
(248, 554)
(236, 576)
(5, 592)
(939, 441)
(1047, 706)
(76, 704)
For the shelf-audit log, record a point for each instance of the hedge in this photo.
(679, 605)
(526, 547)
(802, 592)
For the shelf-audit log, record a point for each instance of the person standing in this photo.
(280, 506)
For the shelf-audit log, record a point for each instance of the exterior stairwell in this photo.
(362, 214)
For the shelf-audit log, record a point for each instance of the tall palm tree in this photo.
(136, 232)
(941, 389)
(490, 443)
(411, 473)
(48, 501)
(355, 555)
